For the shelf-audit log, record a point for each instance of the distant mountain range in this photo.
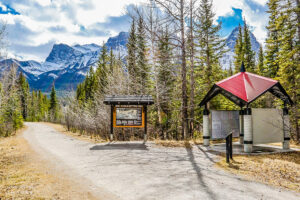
(67, 66)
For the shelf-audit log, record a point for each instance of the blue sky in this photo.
(33, 26)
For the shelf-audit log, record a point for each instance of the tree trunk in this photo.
(192, 103)
(183, 73)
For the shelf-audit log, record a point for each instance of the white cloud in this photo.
(257, 19)
(63, 21)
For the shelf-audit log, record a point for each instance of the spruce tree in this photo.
(143, 76)
(249, 55)
(53, 105)
(289, 64)
(211, 45)
(132, 58)
(102, 72)
(165, 80)
(24, 94)
(260, 65)
(239, 51)
(273, 40)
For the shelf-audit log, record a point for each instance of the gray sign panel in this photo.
(224, 122)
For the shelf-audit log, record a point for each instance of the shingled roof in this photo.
(128, 100)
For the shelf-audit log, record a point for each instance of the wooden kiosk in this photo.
(128, 111)
(242, 89)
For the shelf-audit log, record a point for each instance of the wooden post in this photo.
(112, 122)
(145, 128)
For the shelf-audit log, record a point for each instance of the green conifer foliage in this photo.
(239, 51)
(54, 107)
(273, 41)
(142, 65)
(249, 55)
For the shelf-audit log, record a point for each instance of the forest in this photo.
(173, 53)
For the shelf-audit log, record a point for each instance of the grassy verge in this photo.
(281, 170)
(23, 175)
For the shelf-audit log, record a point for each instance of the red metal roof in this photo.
(246, 86)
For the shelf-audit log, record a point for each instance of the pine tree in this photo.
(142, 65)
(249, 55)
(260, 65)
(273, 41)
(101, 72)
(289, 65)
(239, 51)
(24, 94)
(112, 61)
(165, 80)
(132, 57)
(212, 47)
(53, 105)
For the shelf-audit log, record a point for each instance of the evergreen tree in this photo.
(273, 41)
(260, 65)
(24, 94)
(132, 57)
(212, 47)
(165, 80)
(112, 61)
(249, 55)
(239, 51)
(101, 72)
(53, 109)
(289, 64)
(143, 75)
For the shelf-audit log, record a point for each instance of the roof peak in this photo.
(243, 67)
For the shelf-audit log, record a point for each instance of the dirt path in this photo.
(136, 171)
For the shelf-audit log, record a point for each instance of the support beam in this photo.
(248, 131)
(286, 129)
(206, 127)
(241, 126)
(145, 128)
(112, 107)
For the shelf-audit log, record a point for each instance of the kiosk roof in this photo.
(128, 100)
(244, 87)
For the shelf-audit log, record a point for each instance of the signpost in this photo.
(128, 111)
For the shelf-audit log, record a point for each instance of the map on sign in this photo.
(224, 122)
(126, 116)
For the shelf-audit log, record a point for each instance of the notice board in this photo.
(128, 117)
(267, 125)
(224, 122)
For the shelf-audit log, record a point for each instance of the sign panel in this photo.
(267, 125)
(224, 122)
(128, 117)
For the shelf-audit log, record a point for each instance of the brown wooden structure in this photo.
(128, 103)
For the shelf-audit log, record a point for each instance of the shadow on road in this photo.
(112, 146)
(202, 184)
(206, 155)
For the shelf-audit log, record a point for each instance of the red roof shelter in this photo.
(243, 88)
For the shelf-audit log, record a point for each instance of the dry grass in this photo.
(292, 144)
(23, 175)
(187, 143)
(60, 128)
(281, 170)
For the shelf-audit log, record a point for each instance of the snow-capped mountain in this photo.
(228, 58)
(66, 65)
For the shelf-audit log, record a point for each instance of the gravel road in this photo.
(136, 171)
